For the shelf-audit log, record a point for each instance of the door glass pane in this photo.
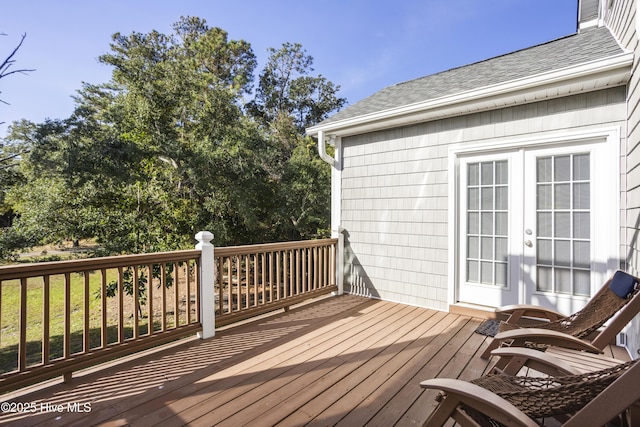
(473, 247)
(545, 197)
(473, 199)
(561, 197)
(581, 196)
(487, 170)
(561, 170)
(501, 249)
(581, 167)
(474, 223)
(545, 222)
(581, 225)
(582, 283)
(473, 174)
(544, 169)
(502, 220)
(544, 251)
(487, 222)
(486, 198)
(562, 280)
(502, 198)
(486, 272)
(486, 248)
(501, 274)
(581, 254)
(544, 279)
(502, 173)
(562, 224)
(473, 274)
(563, 253)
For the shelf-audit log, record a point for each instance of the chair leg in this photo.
(492, 346)
(445, 410)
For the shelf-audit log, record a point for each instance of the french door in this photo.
(537, 225)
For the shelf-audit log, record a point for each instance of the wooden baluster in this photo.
(120, 305)
(67, 324)
(86, 312)
(163, 285)
(188, 292)
(233, 296)
(22, 346)
(263, 263)
(103, 309)
(46, 321)
(67, 315)
(136, 303)
(198, 284)
(150, 317)
(278, 275)
(176, 296)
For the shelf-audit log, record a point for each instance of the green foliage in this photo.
(287, 89)
(170, 146)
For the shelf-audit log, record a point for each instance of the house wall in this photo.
(620, 17)
(395, 190)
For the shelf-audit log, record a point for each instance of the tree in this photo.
(288, 100)
(51, 206)
(177, 100)
(9, 154)
(169, 147)
(286, 88)
(8, 62)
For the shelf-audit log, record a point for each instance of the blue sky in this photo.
(361, 45)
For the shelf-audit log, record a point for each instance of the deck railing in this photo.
(59, 317)
(251, 280)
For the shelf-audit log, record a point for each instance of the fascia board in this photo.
(594, 75)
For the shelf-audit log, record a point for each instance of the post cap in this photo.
(204, 236)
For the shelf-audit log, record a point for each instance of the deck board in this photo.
(340, 361)
(330, 365)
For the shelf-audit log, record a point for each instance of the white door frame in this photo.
(611, 136)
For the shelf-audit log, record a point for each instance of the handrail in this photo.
(72, 266)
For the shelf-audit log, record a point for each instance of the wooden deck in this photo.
(344, 360)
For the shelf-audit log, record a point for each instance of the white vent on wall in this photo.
(621, 339)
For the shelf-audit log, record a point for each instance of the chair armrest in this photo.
(511, 360)
(476, 397)
(517, 311)
(542, 336)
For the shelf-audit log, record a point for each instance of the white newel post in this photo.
(207, 282)
(340, 262)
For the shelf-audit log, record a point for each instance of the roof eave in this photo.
(595, 75)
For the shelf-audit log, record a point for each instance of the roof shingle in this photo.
(586, 46)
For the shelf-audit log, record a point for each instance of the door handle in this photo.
(528, 243)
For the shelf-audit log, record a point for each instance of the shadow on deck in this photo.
(338, 361)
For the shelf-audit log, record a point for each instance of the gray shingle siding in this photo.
(589, 45)
(588, 10)
(395, 182)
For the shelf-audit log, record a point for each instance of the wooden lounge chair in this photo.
(618, 299)
(589, 399)
(568, 362)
